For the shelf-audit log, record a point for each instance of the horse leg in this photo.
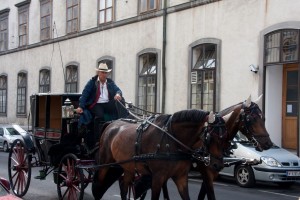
(165, 191)
(207, 187)
(156, 188)
(126, 182)
(202, 192)
(103, 179)
(182, 186)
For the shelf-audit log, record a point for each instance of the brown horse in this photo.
(250, 122)
(163, 150)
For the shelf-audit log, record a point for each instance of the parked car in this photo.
(276, 165)
(5, 191)
(8, 134)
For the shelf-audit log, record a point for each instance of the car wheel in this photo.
(244, 176)
(5, 147)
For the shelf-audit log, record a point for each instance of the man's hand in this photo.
(79, 110)
(118, 97)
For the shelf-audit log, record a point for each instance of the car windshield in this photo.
(13, 131)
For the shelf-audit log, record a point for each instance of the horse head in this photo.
(214, 139)
(251, 123)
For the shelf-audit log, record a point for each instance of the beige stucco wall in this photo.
(236, 23)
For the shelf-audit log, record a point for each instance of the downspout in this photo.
(164, 57)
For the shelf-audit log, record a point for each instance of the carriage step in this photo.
(40, 177)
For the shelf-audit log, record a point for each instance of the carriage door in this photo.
(290, 106)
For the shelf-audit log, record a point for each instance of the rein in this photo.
(164, 130)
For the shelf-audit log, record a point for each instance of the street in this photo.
(224, 189)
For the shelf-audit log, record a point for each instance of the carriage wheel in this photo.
(19, 168)
(70, 184)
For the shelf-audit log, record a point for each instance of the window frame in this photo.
(217, 74)
(23, 7)
(69, 84)
(3, 103)
(73, 19)
(148, 9)
(21, 91)
(140, 76)
(44, 85)
(105, 12)
(43, 3)
(4, 17)
(280, 47)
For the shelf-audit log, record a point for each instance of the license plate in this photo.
(293, 173)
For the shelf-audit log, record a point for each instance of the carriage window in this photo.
(4, 31)
(46, 9)
(21, 93)
(72, 16)
(105, 11)
(3, 95)
(203, 77)
(71, 78)
(109, 64)
(44, 81)
(148, 5)
(23, 11)
(147, 82)
(282, 46)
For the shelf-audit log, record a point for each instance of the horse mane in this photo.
(192, 115)
(229, 109)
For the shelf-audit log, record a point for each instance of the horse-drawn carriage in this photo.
(58, 145)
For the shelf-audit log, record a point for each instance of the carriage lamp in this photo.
(67, 109)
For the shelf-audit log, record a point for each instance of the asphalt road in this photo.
(224, 189)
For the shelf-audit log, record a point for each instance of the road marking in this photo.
(280, 194)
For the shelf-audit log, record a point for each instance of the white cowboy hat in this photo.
(103, 68)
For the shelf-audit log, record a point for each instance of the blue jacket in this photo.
(89, 92)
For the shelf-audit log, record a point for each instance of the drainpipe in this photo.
(298, 117)
(164, 56)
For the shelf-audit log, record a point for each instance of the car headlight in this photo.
(270, 161)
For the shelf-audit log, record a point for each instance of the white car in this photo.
(276, 165)
(8, 134)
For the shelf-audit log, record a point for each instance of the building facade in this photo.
(166, 55)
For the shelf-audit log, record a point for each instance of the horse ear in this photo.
(211, 117)
(248, 102)
(226, 117)
(258, 100)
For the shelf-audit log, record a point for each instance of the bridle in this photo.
(246, 118)
(217, 130)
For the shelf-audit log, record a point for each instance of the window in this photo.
(282, 46)
(105, 11)
(72, 16)
(3, 95)
(148, 5)
(147, 81)
(44, 81)
(109, 64)
(46, 12)
(4, 30)
(23, 11)
(21, 93)
(71, 78)
(203, 77)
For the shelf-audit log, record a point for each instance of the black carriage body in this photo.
(48, 125)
